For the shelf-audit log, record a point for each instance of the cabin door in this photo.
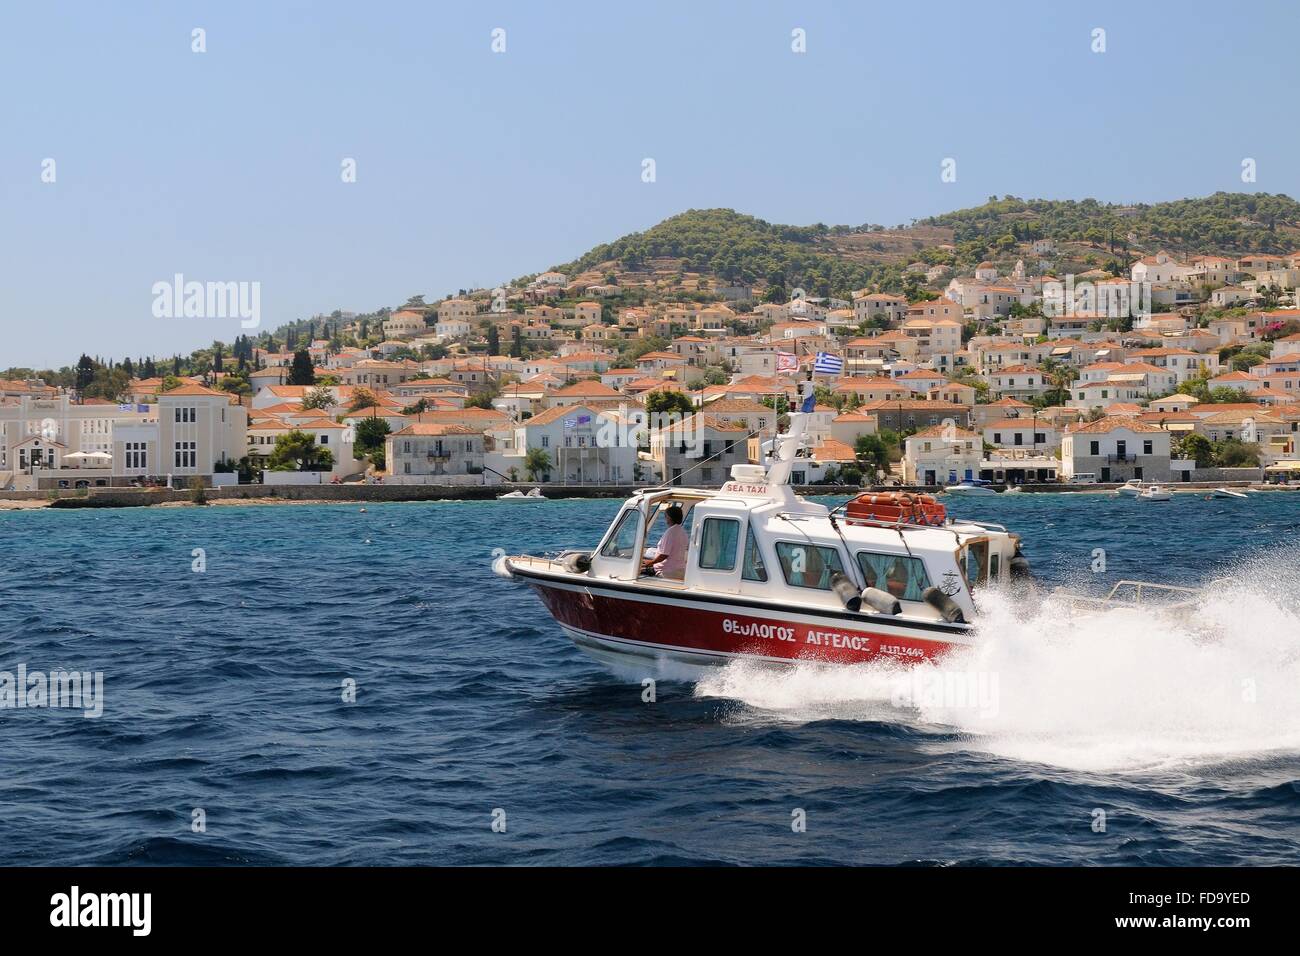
(716, 550)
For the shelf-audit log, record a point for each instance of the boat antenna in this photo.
(666, 483)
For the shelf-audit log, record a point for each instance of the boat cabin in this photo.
(747, 540)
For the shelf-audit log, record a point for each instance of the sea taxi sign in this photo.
(752, 489)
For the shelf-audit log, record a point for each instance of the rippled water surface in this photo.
(224, 692)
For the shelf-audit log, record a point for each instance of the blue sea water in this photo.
(223, 691)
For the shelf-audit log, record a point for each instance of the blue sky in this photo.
(475, 167)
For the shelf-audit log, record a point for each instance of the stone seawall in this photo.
(145, 497)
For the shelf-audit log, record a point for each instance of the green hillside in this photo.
(730, 247)
(1222, 223)
(735, 248)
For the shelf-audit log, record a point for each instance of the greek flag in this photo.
(828, 364)
(570, 423)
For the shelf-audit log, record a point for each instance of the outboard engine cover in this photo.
(881, 601)
(845, 590)
(1018, 566)
(944, 605)
(577, 563)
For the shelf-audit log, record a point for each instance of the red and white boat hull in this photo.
(627, 623)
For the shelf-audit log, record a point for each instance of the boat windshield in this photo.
(659, 524)
(622, 543)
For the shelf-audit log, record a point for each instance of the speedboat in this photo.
(1131, 488)
(970, 487)
(534, 494)
(772, 577)
(1154, 493)
(1228, 493)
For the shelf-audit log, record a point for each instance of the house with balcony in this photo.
(585, 443)
(435, 451)
(942, 455)
(1116, 448)
(1018, 381)
(700, 450)
(1028, 433)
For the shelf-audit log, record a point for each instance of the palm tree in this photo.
(537, 462)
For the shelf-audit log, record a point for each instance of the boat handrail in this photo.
(987, 525)
(1139, 588)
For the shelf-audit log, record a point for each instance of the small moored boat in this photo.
(1131, 488)
(1154, 493)
(971, 487)
(1228, 493)
(533, 495)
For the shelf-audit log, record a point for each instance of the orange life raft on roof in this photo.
(895, 507)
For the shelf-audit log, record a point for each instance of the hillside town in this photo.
(1183, 369)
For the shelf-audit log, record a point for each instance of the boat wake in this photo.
(1115, 690)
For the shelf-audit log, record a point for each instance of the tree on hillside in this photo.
(108, 383)
(302, 371)
(1235, 453)
(537, 462)
(873, 453)
(363, 398)
(371, 434)
(318, 397)
(298, 451)
(1195, 446)
(85, 372)
(663, 401)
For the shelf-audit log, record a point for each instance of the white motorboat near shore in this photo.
(1131, 488)
(1154, 493)
(971, 488)
(1228, 493)
(534, 495)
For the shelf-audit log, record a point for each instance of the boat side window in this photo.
(977, 558)
(718, 544)
(622, 543)
(754, 569)
(903, 577)
(808, 565)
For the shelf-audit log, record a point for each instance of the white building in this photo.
(192, 431)
(1117, 448)
(942, 454)
(435, 452)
